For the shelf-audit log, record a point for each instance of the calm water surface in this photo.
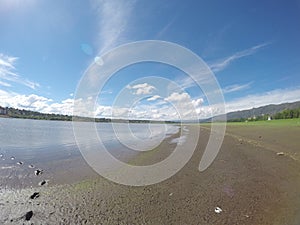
(52, 144)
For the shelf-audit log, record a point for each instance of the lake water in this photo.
(52, 144)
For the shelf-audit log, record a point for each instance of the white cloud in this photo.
(197, 102)
(236, 87)
(65, 107)
(142, 89)
(153, 98)
(222, 64)
(178, 97)
(178, 106)
(8, 74)
(35, 103)
(114, 17)
(29, 102)
(185, 107)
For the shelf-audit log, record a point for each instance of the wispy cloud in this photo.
(114, 17)
(236, 87)
(166, 27)
(2, 83)
(8, 73)
(222, 64)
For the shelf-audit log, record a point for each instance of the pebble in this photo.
(20, 163)
(35, 195)
(38, 172)
(12, 158)
(42, 183)
(28, 215)
(280, 153)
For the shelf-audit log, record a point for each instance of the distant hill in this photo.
(267, 110)
(271, 109)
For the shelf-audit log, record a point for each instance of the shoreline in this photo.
(251, 185)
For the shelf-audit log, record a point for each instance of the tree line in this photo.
(288, 114)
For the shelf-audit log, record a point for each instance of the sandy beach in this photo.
(248, 181)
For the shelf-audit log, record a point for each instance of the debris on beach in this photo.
(12, 158)
(280, 153)
(218, 210)
(1, 155)
(38, 172)
(31, 166)
(170, 194)
(28, 215)
(35, 195)
(20, 163)
(43, 182)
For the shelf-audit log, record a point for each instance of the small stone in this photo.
(44, 182)
(218, 210)
(280, 153)
(28, 215)
(35, 195)
(31, 166)
(38, 172)
(20, 163)
(12, 158)
(1, 155)
(170, 194)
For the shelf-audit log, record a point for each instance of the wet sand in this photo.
(247, 180)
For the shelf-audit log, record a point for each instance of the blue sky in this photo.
(46, 46)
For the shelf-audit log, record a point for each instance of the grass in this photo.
(283, 122)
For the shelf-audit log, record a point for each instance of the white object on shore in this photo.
(218, 210)
(280, 153)
(170, 194)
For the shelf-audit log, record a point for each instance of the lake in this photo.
(52, 146)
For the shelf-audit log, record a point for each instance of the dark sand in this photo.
(247, 180)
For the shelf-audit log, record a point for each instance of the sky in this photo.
(46, 47)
